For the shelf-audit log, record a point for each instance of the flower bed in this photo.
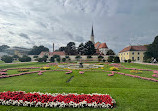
(23, 70)
(36, 99)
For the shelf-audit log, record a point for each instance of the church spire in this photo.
(92, 35)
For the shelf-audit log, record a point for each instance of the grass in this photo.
(131, 94)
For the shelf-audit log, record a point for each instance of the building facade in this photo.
(135, 53)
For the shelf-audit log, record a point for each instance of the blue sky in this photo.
(119, 23)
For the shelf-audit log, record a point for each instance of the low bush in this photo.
(25, 59)
(116, 60)
(129, 60)
(7, 59)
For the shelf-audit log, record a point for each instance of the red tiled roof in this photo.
(102, 45)
(134, 48)
(99, 45)
(58, 53)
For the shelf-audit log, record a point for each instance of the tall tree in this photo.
(62, 48)
(110, 52)
(152, 50)
(70, 48)
(3, 47)
(81, 49)
(89, 48)
(36, 50)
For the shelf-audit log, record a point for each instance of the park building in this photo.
(135, 53)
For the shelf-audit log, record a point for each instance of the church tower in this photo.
(92, 36)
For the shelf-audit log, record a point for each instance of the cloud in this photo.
(42, 22)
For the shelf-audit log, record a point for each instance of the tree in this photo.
(37, 50)
(70, 49)
(152, 50)
(110, 52)
(25, 59)
(110, 59)
(3, 47)
(81, 49)
(40, 59)
(89, 48)
(7, 59)
(116, 60)
(62, 48)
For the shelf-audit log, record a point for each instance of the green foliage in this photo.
(152, 50)
(63, 59)
(56, 56)
(35, 56)
(129, 60)
(62, 48)
(116, 60)
(104, 60)
(25, 59)
(110, 52)
(7, 59)
(40, 59)
(78, 57)
(110, 59)
(58, 59)
(36, 50)
(71, 49)
(52, 59)
(3, 47)
(67, 57)
(125, 61)
(89, 48)
(89, 56)
(81, 49)
(15, 56)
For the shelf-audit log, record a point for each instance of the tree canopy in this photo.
(152, 50)
(3, 47)
(36, 50)
(110, 52)
(70, 48)
(89, 48)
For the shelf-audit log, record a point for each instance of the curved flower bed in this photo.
(36, 99)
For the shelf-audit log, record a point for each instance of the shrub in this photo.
(40, 59)
(58, 59)
(125, 61)
(44, 59)
(104, 60)
(52, 59)
(23, 70)
(129, 60)
(116, 60)
(78, 57)
(25, 59)
(89, 56)
(35, 56)
(100, 58)
(63, 59)
(114, 69)
(7, 59)
(110, 59)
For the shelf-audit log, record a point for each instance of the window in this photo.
(127, 53)
(132, 53)
(138, 53)
(138, 58)
(133, 58)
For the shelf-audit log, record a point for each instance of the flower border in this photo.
(37, 99)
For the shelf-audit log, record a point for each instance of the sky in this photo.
(119, 23)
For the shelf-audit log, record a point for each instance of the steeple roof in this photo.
(92, 34)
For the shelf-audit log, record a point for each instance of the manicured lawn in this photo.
(131, 94)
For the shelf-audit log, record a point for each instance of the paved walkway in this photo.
(17, 62)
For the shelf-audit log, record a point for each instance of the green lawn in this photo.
(131, 94)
